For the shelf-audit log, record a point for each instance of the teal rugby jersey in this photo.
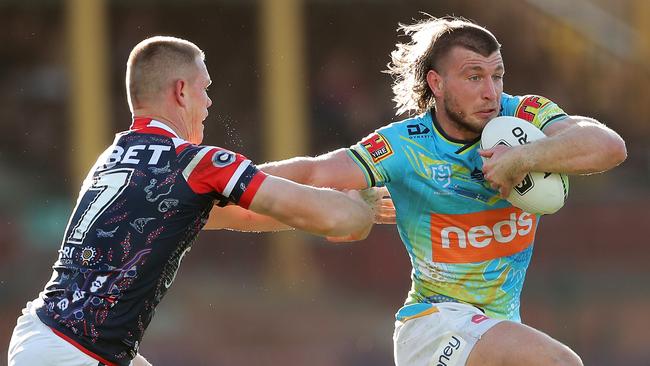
(465, 243)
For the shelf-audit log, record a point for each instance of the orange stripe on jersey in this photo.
(479, 236)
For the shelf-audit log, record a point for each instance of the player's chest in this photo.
(444, 178)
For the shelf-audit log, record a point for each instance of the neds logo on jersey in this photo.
(479, 236)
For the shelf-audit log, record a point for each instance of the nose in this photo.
(490, 90)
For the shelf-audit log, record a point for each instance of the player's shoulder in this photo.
(533, 108)
(219, 156)
(415, 126)
(384, 141)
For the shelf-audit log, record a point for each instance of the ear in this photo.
(179, 92)
(435, 82)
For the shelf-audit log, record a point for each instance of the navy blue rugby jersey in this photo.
(139, 210)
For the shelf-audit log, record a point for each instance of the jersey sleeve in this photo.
(374, 155)
(539, 111)
(229, 174)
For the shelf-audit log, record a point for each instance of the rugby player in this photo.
(140, 209)
(468, 246)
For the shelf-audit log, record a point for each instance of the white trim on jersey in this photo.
(235, 177)
(159, 124)
(197, 158)
(178, 141)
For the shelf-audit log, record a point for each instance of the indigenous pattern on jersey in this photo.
(138, 212)
(465, 243)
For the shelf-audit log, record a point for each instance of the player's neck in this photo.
(454, 129)
(177, 127)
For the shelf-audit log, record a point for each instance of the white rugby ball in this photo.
(538, 193)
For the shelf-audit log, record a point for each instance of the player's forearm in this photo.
(582, 148)
(347, 216)
(319, 211)
(240, 219)
(337, 215)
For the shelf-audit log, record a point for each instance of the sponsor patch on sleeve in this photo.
(377, 146)
(538, 110)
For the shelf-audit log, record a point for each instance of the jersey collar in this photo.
(463, 145)
(148, 125)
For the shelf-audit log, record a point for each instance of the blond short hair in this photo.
(154, 63)
(431, 41)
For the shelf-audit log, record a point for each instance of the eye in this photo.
(497, 77)
(474, 78)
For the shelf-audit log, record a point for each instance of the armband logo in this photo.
(537, 110)
(378, 148)
(530, 106)
(223, 158)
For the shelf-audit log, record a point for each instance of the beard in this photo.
(459, 118)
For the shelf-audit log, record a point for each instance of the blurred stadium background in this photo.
(302, 77)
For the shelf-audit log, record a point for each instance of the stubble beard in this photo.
(453, 110)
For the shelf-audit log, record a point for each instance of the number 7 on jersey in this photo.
(106, 188)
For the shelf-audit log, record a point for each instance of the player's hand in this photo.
(368, 197)
(379, 200)
(503, 168)
(384, 208)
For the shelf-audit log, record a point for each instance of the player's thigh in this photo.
(32, 344)
(510, 343)
(440, 334)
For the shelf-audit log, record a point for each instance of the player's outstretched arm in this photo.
(333, 170)
(237, 218)
(320, 211)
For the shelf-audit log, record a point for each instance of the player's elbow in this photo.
(614, 151)
(610, 145)
(619, 151)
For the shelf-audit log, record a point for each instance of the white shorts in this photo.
(35, 344)
(440, 334)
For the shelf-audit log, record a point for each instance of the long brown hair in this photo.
(431, 40)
